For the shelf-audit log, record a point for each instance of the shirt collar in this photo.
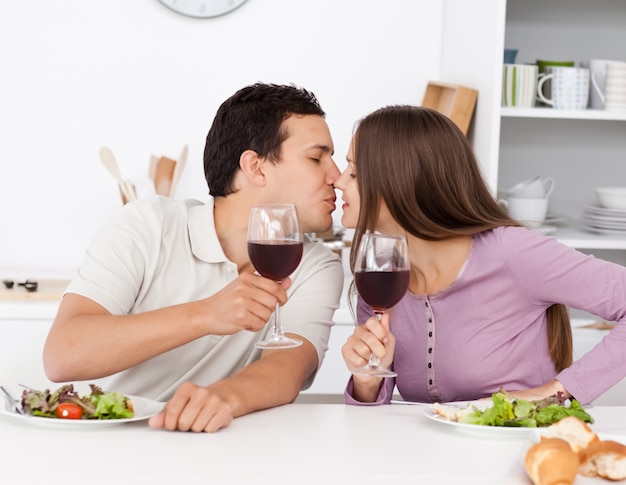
(204, 242)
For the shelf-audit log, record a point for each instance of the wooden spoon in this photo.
(109, 161)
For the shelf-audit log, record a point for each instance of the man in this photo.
(167, 302)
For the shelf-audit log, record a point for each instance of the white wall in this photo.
(134, 76)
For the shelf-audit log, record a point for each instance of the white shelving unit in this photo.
(581, 149)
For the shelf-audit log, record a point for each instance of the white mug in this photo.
(597, 68)
(529, 211)
(570, 88)
(614, 94)
(536, 187)
(519, 85)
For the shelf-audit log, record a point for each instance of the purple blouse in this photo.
(488, 329)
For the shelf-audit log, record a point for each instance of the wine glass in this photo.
(275, 248)
(381, 275)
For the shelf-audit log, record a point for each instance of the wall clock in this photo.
(202, 8)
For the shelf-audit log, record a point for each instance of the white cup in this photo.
(519, 85)
(597, 68)
(529, 211)
(570, 88)
(613, 92)
(536, 187)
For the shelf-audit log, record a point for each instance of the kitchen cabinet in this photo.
(582, 149)
(21, 351)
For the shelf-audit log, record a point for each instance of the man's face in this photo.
(306, 172)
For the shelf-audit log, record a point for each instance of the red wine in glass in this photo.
(382, 289)
(275, 247)
(275, 259)
(381, 276)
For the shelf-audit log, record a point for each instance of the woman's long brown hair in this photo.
(421, 165)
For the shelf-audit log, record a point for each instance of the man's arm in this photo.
(87, 342)
(275, 379)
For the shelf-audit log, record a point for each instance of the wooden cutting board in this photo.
(47, 290)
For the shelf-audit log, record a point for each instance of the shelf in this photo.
(579, 238)
(582, 114)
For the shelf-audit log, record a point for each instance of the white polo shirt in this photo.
(161, 252)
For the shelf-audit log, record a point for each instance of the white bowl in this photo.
(612, 197)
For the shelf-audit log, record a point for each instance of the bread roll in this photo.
(606, 459)
(551, 462)
(574, 431)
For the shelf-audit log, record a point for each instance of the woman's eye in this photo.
(353, 175)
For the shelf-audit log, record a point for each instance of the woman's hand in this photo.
(371, 337)
(541, 392)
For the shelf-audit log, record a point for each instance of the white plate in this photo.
(605, 224)
(144, 409)
(479, 430)
(589, 216)
(603, 211)
(609, 232)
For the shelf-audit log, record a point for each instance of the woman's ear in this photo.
(252, 167)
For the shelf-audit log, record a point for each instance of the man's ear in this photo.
(252, 167)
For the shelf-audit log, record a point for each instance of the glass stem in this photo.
(375, 361)
(277, 332)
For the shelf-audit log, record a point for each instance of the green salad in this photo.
(66, 403)
(509, 411)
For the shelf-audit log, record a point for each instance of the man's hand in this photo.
(245, 304)
(194, 408)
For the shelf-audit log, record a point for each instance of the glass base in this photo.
(374, 370)
(278, 343)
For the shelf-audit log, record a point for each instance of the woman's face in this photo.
(350, 191)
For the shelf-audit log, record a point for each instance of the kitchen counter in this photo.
(17, 303)
(47, 290)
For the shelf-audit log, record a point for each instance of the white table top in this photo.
(306, 443)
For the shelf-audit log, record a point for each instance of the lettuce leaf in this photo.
(511, 412)
(96, 405)
(111, 405)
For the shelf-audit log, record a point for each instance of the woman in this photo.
(486, 306)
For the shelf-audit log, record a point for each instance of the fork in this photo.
(15, 403)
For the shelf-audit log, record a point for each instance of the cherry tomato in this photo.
(69, 410)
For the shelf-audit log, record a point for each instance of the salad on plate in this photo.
(507, 411)
(67, 403)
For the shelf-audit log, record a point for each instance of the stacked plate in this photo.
(605, 221)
